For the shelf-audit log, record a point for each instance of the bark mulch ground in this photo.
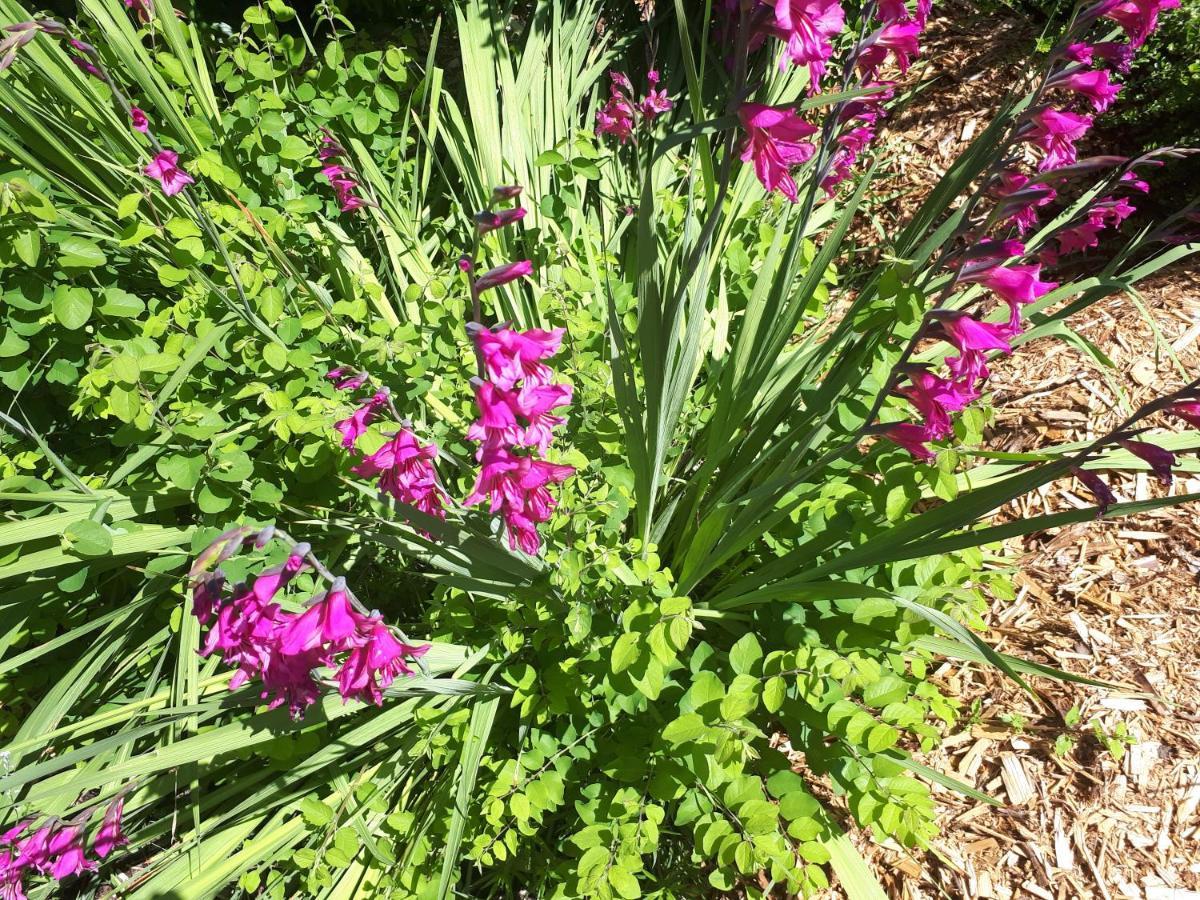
(1100, 789)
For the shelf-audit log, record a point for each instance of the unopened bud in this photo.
(506, 192)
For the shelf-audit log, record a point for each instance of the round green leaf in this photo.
(72, 306)
(88, 538)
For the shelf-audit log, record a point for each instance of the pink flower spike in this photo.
(109, 836)
(1188, 410)
(1160, 461)
(911, 437)
(775, 142)
(503, 275)
(165, 167)
(1099, 489)
(139, 120)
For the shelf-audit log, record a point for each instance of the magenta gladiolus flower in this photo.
(1099, 489)
(899, 39)
(654, 104)
(67, 845)
(330, 622)
(346, 379)
(34, 851)
(1161, 461)
(355, 426)
(534, 402)
(1094, 85)
(1080, 53)
(911, 437)
(139, 120)
(1138, 18)
(109, 836)
(616, 116)
(1056, 132)
(1015, 285)
(775, 142)
(515, 486)
(1188, 410)
(1109, 211)
(806, 26)
(374, 664)
(497, 422)
(1078, 238)
(506, 192)
(406, 472)
(503, 275)
(1019, 200)
(490, 221)
(510, 356)
(968, 334)
(1118, 53)
(165, 167)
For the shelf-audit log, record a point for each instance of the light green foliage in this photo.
(727, 643)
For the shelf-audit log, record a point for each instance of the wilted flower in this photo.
(1098, 487)
(1161, 461)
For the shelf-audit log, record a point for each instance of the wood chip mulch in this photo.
(1115, 819)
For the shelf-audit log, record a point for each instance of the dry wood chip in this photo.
(1016, 782)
